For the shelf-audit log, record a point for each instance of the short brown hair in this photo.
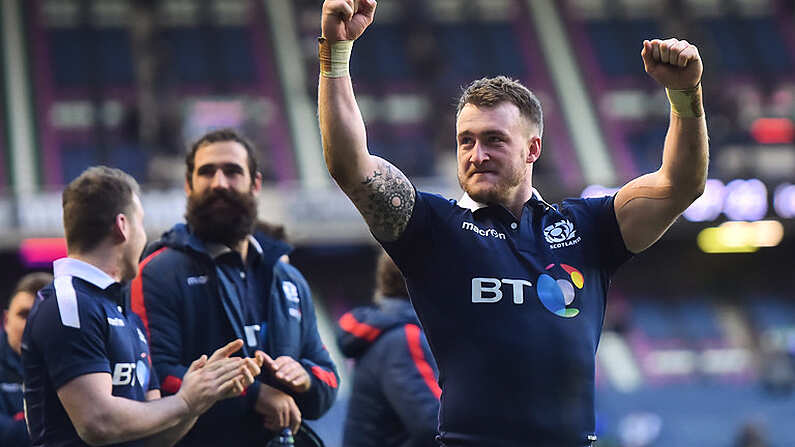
(218, 136)
(490, 92)
(91, 203)
(30, 283)
(388, 279)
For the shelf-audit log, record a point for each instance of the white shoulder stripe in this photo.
(67, 301)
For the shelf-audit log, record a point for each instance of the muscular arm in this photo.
(648, 205)
(171, 435)
(101, 418)
(381, 193)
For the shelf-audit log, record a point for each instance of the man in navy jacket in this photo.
(395, 397)
(13, 431)
(211, 280)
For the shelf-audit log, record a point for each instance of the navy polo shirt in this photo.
(513, 310)
(80, 325)
(252, 286)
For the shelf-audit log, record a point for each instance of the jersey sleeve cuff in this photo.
(64, 375)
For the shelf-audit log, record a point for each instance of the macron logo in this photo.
(197, 280)
(491, 232)
(115, 322)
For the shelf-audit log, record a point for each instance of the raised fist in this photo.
(673, 63)
(346, 19)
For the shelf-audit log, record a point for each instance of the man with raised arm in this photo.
(510, 290)
(86, 363)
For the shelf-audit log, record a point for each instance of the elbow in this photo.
(97, 432)
(341, 173)
(685, 191)
(93, 436)
(335, 168)
(699, 190)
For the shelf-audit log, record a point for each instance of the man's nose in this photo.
(479, 155)
(220, 180)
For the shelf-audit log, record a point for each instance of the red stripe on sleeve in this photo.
(137, 292)
(349, 324)
(413, 339)
(327, 377)
(171, 384)
(19, 416)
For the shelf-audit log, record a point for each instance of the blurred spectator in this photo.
(395, 398)
(639, 429)
(751, 435)
(778, 374)
(13, 431)
(618, 313)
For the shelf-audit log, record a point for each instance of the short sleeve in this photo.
(71, 338)
(412, 247)
(154, 381)
(611, 250)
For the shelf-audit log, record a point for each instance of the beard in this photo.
(222, 216)
(495, 193)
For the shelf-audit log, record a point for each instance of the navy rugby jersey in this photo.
(513, 310)
(80, 325)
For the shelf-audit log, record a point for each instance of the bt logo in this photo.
(554, 294)
(131, 373)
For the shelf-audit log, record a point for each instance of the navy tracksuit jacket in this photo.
(188, 311)
(13, 431)
(395, 397)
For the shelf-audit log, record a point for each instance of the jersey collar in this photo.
(469, 203)
(216, 250)
(83, 270)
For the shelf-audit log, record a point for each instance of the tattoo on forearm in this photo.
(386, 200)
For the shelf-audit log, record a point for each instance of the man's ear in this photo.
(256, 185)
(5, 317)
(534, 149)
(121, 228)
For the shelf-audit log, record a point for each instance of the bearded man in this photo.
(215, 279)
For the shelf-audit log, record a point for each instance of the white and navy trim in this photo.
(65, 269)
(469, 203)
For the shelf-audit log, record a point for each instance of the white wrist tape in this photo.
(686, 103)
(334, 58)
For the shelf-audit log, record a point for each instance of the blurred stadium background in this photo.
(699, 341)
